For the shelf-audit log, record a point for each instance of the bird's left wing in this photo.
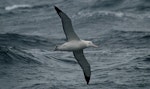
(67, 25)
(83, 63)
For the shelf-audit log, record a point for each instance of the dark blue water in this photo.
(30, 30)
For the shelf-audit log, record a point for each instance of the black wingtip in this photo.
(87, 79)
(57, 9)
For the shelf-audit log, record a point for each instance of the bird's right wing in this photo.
(83, 63)
(67, 25)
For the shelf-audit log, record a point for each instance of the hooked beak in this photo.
(93, 45)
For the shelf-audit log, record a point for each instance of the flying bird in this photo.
(74, 44)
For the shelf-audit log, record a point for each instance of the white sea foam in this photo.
(101, 13)
(17, 6)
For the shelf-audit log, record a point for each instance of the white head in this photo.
(90, 44)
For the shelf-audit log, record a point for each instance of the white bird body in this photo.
(71, 46)
(74, 45)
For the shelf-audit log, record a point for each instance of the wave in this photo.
(143, 59)
(126, 5)
(143, 8)
(67, 61)
(141, 63)
(86, 15)
(42, 6)
(146, 37)
(147, 58)
(107, 3)
(12, 55)
(118, 5)
(26, 6)
(114, 10)
(94, 14)
(23, 6)
(24, 41)
(126, 39)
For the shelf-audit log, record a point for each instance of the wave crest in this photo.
(24, 41)
(17, 6)
(10, 55)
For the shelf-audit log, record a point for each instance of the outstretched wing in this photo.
(83, 63)
(67, 25)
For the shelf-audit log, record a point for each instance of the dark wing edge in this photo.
(58, 11)
(67, 25)
(79, 55)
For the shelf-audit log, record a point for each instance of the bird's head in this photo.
(90, 44)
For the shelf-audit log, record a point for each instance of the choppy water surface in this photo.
(29, 31)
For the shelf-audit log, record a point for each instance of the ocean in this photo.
(30, 30)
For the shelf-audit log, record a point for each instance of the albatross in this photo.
(74, 44)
